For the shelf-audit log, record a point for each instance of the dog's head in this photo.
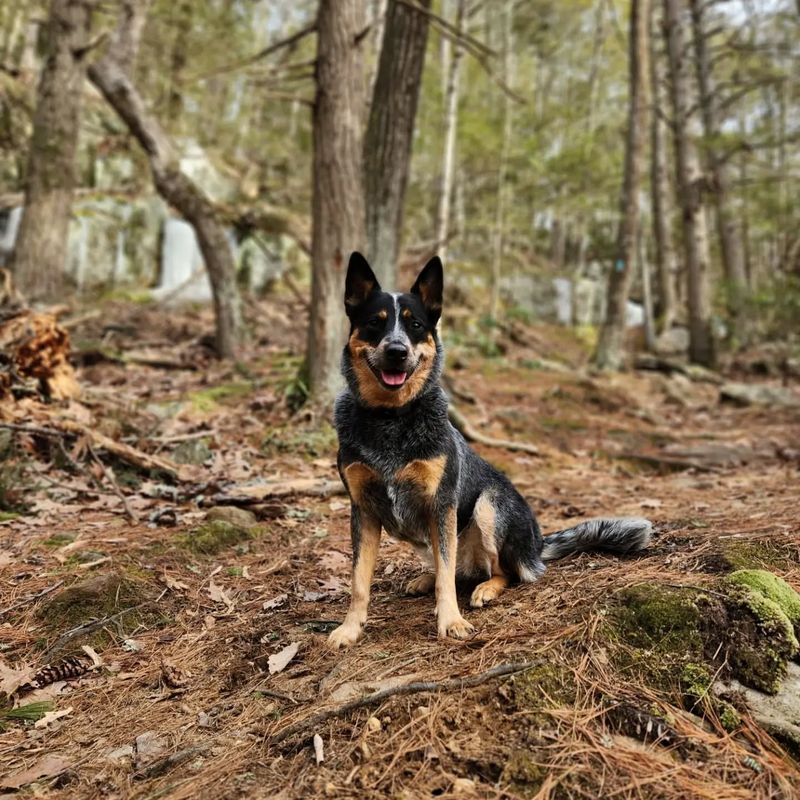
(393, 352)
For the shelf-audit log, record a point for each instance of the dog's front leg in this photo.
(444, 543)
(365, 532)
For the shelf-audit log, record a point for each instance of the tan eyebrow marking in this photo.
(406, 313)
(382, 314)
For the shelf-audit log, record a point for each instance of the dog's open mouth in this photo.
(394, 380)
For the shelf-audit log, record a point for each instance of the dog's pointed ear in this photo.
(360, 283)
(429, 286)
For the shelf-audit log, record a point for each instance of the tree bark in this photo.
(450, 131)
(609, 353)
(387, 145)
(502, 183)
(41, 249)
(690, 185)
(338, 225)
(728, 231)
(661, 197)
(112, 80)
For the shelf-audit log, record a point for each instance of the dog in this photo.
(408, 471)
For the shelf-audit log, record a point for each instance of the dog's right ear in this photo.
(360, 283)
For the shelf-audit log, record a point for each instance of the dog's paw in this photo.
(457, 628)
(484, 593)
(422, 584)
(346, 635)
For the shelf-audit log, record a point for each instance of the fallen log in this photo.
(254, 495)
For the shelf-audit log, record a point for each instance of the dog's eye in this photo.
(416, 325)
(374, 323)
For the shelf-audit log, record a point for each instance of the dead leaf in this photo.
(172, 583)
(46, 767)
(50, 717)
(11, 679)
(219, 595)
(319, 749)
(276, 602)
(279, 661)
(92, 653)
(149, 746)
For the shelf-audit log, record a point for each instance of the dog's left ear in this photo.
(429, 286)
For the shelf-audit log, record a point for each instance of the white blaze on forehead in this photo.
(398, 333)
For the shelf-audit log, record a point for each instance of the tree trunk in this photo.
(690, 185)
(730, 238)
(387, 145)
(337, 197)
(112, 80)
(450, 130)
(502, 183)
(41, 249)
(661, 194)
(610, 347)
(180, 51)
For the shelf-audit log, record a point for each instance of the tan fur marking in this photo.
(370, 388)
(427, 474)
(383, 313)
(350, 630)
(357, 476)
(488, 590)
(406, 313)
(449, 621)
(477, 550)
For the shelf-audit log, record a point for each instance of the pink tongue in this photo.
(393, 378)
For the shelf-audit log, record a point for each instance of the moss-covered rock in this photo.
(215, 535)
(773, 588)
(671, 636)
(98, 598)
(523, 773)
(543, 686)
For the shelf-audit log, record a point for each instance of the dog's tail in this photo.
(623, 535)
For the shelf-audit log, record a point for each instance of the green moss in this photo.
(544, 686)
(523, 773)
(660, 619)
(762, 637)
(5, 516)
(309, 442)
(58, 540)
(97, 598)
(215, 535)
(773, 588)
(206, 400)
(757, 555)
(729, 717)
(696, 682)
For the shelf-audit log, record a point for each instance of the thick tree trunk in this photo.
(450, 131)
(503, 189)
(338, 199)
(41, 249)
(661, 197)
(690, 185)
(609, 353)
(730, 238)
(387, 145)
(113, 82)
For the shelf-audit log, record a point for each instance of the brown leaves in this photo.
(48, 766)
(279, 661)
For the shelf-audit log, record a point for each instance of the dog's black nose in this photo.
(396, 352)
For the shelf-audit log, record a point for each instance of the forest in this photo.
(613, 187)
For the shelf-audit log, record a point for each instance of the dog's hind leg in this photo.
(484, 519)
(424, 583)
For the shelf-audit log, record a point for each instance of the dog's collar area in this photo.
(391, 411)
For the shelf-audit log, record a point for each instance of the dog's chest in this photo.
(400, 496)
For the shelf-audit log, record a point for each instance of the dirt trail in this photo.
(184, 704)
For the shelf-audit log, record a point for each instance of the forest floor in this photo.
(209, 637)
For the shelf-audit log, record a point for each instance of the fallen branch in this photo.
(59, 428)
(471, 435)
(417, 687)
(163, 765)
(114, 487)
(666, 461)
(253, 495)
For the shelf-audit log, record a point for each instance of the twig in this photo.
(665, 461)
(253, 495)
(165, 764)
(454, 684)
(272, 693)
(30, 599)
(89, 627)
(471, 435)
